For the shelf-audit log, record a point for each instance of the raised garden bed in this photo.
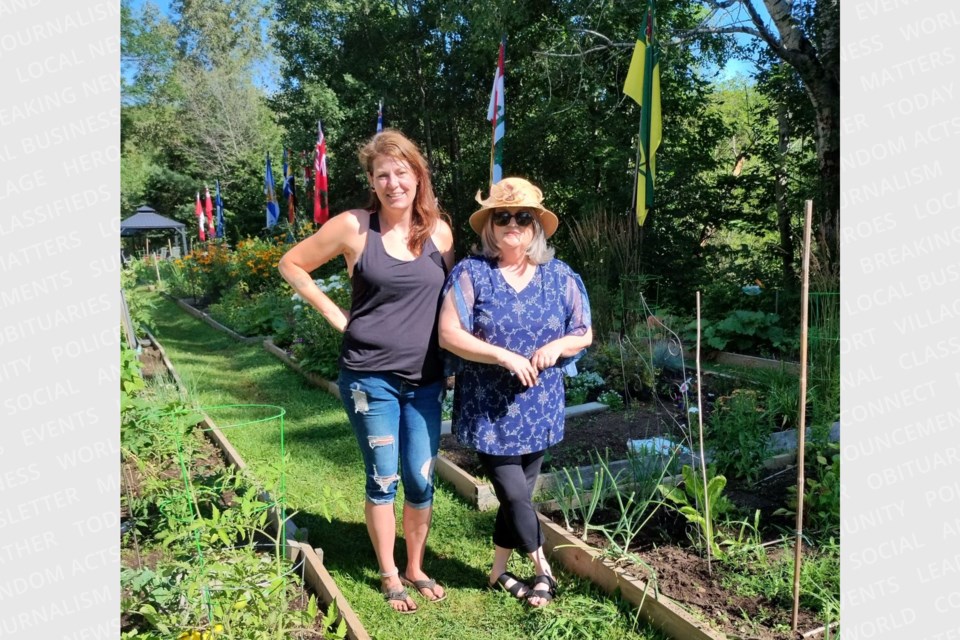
(683, 598)
(306, 560)
(314, 379)
(206, 317)
(661, 558)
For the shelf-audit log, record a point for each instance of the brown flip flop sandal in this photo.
(419, 585)
(399, 595)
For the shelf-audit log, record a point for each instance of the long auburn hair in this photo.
(426, 209)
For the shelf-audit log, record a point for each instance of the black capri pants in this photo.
(514, 478)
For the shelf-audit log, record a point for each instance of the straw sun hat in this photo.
(514, 194)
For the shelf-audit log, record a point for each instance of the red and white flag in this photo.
(321, 204)
(211, 226)
(199, 210)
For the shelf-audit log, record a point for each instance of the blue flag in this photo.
(218, 205)
(273, 209)
(380, 117)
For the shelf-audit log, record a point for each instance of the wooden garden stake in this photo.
(156, 265)
(802, 424)
(703, 459)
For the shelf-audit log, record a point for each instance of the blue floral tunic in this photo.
(492, 411)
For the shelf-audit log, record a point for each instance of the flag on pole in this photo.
(218, 204)
(307, 169)
(380, 116)
(208, 205)
(495, 115)
(321, 205)
(289, 188)
(199, 212)
(643, 85)
(273, 209)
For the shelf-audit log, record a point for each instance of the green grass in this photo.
(324, 473)
(769, 574)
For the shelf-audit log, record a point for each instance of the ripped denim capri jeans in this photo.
(394, 420)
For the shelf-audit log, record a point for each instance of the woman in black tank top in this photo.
(398, 251)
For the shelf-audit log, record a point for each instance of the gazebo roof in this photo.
(145, 219)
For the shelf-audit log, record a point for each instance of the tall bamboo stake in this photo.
(703, 461)
(802, 424)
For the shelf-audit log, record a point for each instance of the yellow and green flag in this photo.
(643, 85)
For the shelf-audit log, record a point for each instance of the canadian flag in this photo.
(203, 235)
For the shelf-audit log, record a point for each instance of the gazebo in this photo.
(147, 219)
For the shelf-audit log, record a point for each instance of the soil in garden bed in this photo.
(151, 361)
(682, 575)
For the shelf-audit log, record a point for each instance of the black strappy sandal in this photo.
(514, 589)
(547, 594)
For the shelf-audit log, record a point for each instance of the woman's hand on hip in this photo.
(519, 366)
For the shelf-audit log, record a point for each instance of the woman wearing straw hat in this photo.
(518, 318)
(398, 251)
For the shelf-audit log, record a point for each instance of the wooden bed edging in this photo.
(314, 379)
(316, 576)
(322, 582)
(196, 313)
(481, 495)
(658, 609)
(753, 362)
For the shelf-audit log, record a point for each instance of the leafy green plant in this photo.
(821, 498)
(253, 313)
(689, 502)
(635, 505)
(131, 375)
(623, 367)
(314, 343)
(138, 304)
(612, 399)
(745, 331)
(580, 387)
(581, 501)
(738, 434)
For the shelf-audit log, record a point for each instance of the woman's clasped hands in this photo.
(528, 370)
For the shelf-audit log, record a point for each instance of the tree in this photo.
(192, 113)
(805, 35)
(807, 38)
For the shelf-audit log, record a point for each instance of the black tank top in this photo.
(393, 314)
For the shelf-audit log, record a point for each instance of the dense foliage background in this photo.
(202, 101)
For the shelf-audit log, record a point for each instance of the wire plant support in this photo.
(278, 504)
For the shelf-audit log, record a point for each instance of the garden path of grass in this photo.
(322, 452)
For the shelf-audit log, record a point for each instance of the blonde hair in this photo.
(538, 252)
(426, 210)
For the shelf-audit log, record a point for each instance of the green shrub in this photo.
(612, 399)
(254, 314)
(581, 387)
(623, 368)
(314, 343)
(742, 331)
(738, 433)
(138, 304)
(821, 498)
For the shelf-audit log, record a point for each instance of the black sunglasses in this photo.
(522, 218)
